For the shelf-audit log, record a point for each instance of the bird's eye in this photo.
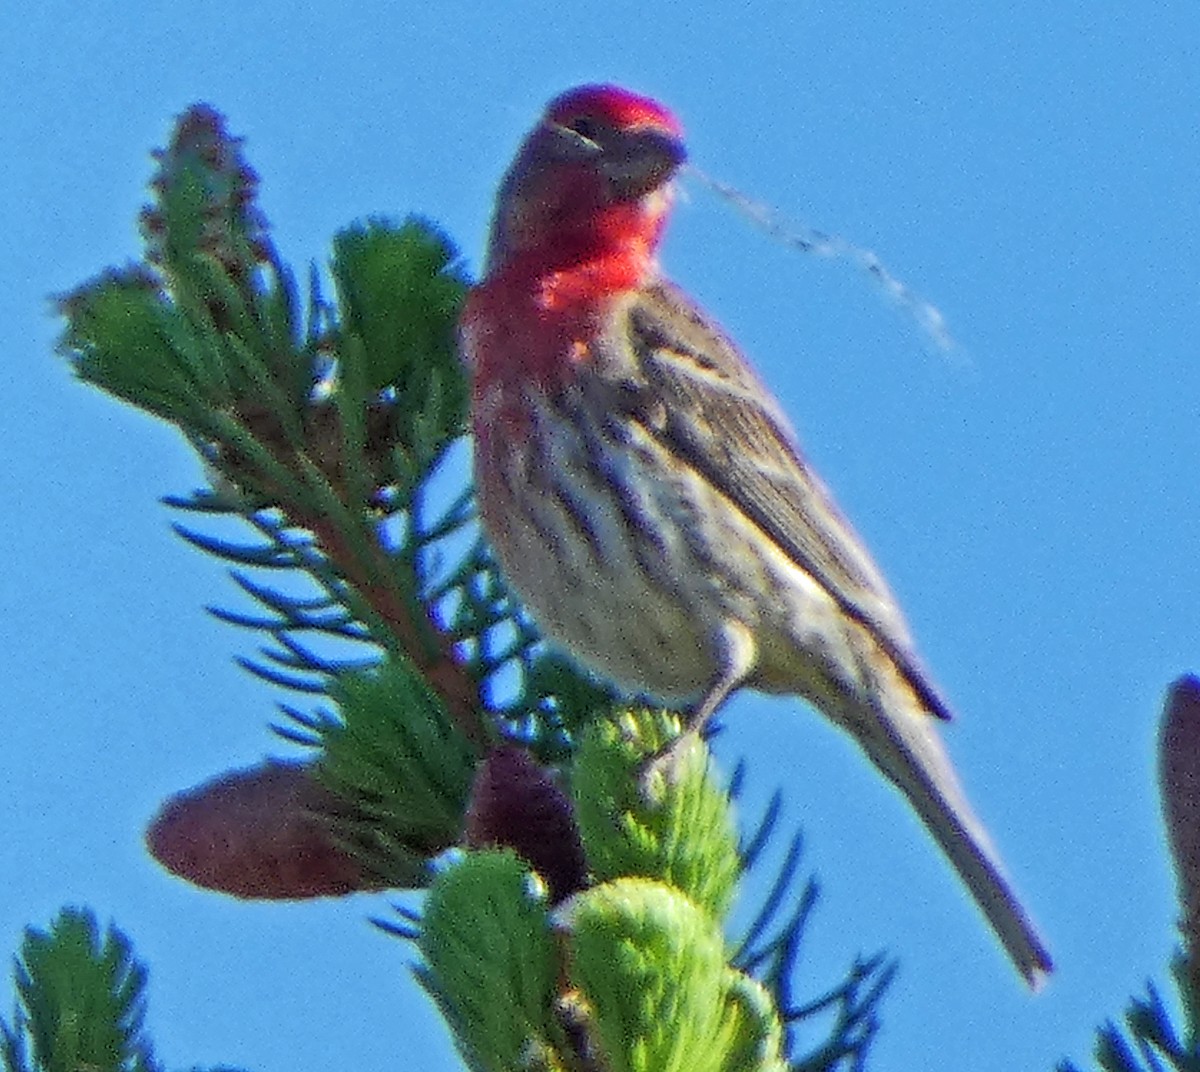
(585, 127)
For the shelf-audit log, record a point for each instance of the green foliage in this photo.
(651, 968)
(123, 336)
(1148, 1040)
(755, 1038)
(206, 329)
(396, 754)
(647, 978)
(650, 965)
(685, 836)
(399, 293)
(491, 962)
(81, 1001)
(642, 969)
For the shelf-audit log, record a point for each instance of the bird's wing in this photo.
(716, 417)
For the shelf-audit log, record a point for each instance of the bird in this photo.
(647, 498)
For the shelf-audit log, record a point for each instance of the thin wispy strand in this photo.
(928, 317)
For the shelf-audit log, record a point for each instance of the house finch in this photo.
(646, 496)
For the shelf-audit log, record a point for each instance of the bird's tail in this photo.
(902, 740)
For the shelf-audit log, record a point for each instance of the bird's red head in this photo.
(592, 180)
(612, 105)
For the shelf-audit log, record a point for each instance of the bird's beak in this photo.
(640, 161)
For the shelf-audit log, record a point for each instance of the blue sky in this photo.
(1033, 497)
